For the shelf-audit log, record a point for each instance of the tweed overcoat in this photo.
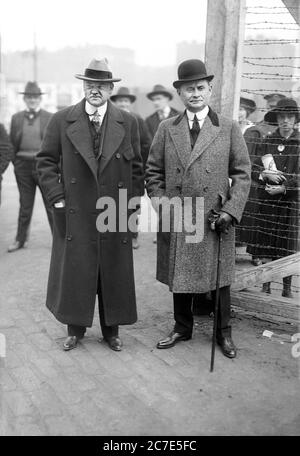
(68, 170)
(173, 169)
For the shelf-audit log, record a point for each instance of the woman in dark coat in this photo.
(276, 171)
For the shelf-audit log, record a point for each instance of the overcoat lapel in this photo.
(209, 131)
(79, 134)
(180, 135)
(113, 135)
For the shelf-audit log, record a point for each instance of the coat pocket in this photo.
(59, 221)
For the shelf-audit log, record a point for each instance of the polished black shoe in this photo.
(172, 339)
(114, 343)
(70, 343)
(227, 346)
(16, 245)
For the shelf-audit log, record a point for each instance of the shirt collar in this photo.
(200, 115)
(37, 110)
(90, 110)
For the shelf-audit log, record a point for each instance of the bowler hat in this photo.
(284, 105)
(32, 88)
(159, 89)
(248, 104)
(123, 92)
(191, 70)
(97, 71)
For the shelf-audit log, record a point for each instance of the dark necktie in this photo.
(96, 121)
(195, 130)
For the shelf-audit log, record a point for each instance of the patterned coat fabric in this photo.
(276, 227)
(173, 169)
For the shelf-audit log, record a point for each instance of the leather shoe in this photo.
(70, 343)
(227, 346)
(172, 339)
(16, 246)
(114, 343)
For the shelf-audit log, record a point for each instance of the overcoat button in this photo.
(69, 238)
(178, 170)
(73, 180)
(120, 184)
(124, 241)
(205, 189)
(72, 211)
(118, 155)
(207, 170)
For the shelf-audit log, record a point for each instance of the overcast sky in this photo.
(150, 27)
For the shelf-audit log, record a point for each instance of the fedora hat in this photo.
(191, 70)
(284, 105)
(32, 88)
(123, 92)
(248, 104)
(97, 71)
(159, 89)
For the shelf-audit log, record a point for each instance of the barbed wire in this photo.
(254, 42)
(271, 7)
(264, 91)
(269, 65)
(272, 58)
(271, 22)
(273, 28)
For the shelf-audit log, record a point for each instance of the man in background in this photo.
(160, 98)
(26, 134)
(123, 99)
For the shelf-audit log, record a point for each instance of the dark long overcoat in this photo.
(173, 169)
(153, 121)
(275, 231)
(69, 170)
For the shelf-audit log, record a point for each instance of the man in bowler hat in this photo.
(160, 97)
(91, 153)
(123, 99)
(26, 134)
(194, 155)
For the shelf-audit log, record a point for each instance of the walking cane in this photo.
(216, 312)
(212, 219)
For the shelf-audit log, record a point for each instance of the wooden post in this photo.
(294, 8)
(225, 29)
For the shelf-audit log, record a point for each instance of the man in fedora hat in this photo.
(193, 156)
(123, 99)
(90, 154)
(5, 152)
(160, 97)
(26, 134)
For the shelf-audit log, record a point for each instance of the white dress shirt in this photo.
(201, 115)
(164, 114)
(91, 110)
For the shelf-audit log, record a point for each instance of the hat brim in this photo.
(85, 78)
(248, 108)
(132, 98)
(179, 82)
(271, 116)
(159, 92)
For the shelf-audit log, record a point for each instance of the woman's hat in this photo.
(191, 70)
(284, 105)
(123, 92)
(159, 89)
(248, 104)
(97, 71)
(32, 88)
